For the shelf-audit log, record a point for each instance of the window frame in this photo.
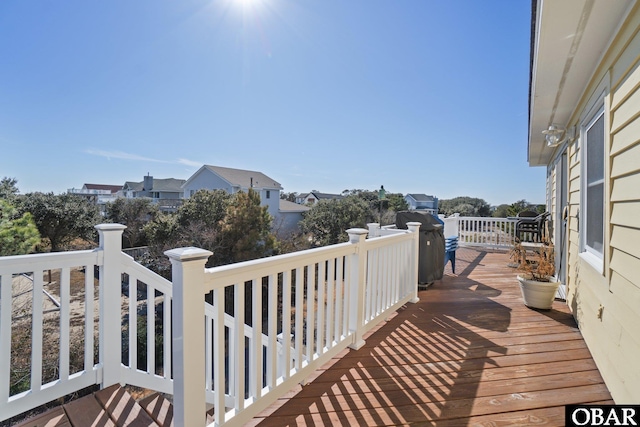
(587, 252)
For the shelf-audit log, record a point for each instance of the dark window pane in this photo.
(595, 223)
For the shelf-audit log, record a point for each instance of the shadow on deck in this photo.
(469, 353)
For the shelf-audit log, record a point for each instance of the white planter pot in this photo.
(538, 295)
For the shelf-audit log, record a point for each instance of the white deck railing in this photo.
(489, 232)
(311, 305)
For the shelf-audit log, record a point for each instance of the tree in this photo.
(18, 234)
(328, 220)
(246, 229)
(134, 213)
(205, 208)
(523, 205)
(465, 206)
(397, 202)
(8, 188)
(501, 211)
(289, 196)
(61, 218)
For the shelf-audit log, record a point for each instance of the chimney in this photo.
(147, 185)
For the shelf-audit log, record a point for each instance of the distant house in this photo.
(100, 194)
(234, 180)
(97, 193)
(422, 202)
(167, 193)
(314, 197)
(290, 214)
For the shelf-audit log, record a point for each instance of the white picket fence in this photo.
(304, 308)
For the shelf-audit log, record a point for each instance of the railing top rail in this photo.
(399, 235)
(52, 260)
(145, 275)
(487, 218)
(225, 275)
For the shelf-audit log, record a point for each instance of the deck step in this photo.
(53, 418)
(110, 407)
(87, 411)
(123, 408)
(159, 408)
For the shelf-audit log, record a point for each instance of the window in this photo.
(268, 194)
(593, 194)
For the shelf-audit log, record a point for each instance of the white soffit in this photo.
(571, 37)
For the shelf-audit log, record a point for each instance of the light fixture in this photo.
(555, 135)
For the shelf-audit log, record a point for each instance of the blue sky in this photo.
(420, 96)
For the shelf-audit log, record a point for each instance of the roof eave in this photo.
(569, 39)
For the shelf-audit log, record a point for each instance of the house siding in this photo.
(605, 304)
(207, 180)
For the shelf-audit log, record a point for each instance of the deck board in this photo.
(469, 353)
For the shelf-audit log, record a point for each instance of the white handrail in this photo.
(319, 302)
(306, 307)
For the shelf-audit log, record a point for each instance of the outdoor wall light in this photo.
(556, 135)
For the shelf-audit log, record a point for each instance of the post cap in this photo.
(188, 254)
(109, 227)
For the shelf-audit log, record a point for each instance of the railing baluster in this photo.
(311, 311)
(347, 296)
(321, 308)
(330, 302)
(238, 324)
(151, 330)
(133, 323)
(339, 299)
(89, 295)
(218, 355)
(256, 372)
(286, 323)
(166, 332)
(299, 327)
(36, 335)
(208, 343)
(272, 350)
(6, 284)
(65, 316)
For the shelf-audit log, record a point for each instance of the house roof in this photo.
(132, 186)
(111, 188)
(568, 40)
(321, 196)
(421, 197)
(172, 185)
(287, 206)
(243, 178)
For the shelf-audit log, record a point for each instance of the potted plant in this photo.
(537, 282)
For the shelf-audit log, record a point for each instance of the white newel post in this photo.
(189, 403)
(414, 227)
(374, 229)
(110, 326)
(357, 283)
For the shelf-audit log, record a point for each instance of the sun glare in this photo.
(248, 3)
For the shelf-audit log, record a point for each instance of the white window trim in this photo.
(591, 115)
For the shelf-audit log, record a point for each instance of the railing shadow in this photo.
(422, 366)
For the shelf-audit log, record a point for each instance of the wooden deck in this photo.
(468, 354)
